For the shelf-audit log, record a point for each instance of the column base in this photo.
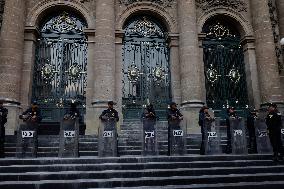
(190, 111)
(14, 110)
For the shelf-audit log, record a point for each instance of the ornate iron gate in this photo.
(224, 68)
(146, 74)
(61, 66)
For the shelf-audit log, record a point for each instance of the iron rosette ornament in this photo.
(133, 73)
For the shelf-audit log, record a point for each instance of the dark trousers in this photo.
(229, 138)
(2, 140)
(275, 139)
(202, 146)
(252, 140)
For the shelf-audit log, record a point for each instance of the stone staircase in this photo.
(131, 170)
(223, 171)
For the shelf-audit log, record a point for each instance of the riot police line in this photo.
(265, 132)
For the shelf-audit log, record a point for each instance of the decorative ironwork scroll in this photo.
(60, 72)
(146, 77)
(238, 5)
(164, 3)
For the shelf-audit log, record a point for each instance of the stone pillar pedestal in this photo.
(104, 61)
(190, 65)
(11, 59)
(269, 78)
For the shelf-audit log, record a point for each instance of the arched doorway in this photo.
(224, 68)
(60, 70)
(146, 73)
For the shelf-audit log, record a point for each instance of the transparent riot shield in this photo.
(262, 138)
(149, 134)
(238, 134)
(282, 129)
(107, 138)
(212, 137)
(176, 137)
(27, 139)
(2, 136)
(69, 137)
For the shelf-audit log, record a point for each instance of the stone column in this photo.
(280, 11)
(11, 58)
(118, 73)
(104, 61)
(191, 74)
(175, 68)
(89, 119)
(251, 71)
(31, 35)
(268, 71)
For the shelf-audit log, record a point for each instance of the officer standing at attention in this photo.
(251, 130)
(33, 113)
(274, 124)
(230, 114)
(174, 118)
(203, 115)
(109, 113)
(149, 114)
(3, 120)
(73, 112)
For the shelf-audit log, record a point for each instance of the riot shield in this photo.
(282, 129)
(27, 139)
(149, 134)
(2, 136)
(238, 134)
(212, 137)
(262, 138)
(176, 137)
(107, 138)
(69, 137)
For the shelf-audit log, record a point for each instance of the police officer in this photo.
(252, 115)
(73, 112)
(109, 113)
(149, 114)
(231, 113)
(3, 120)
(174, 113)
(203, 115)
(33, 113)
(174, 117)
(274, 124)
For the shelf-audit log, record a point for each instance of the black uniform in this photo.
(201, 122)
(251, 131)
(174, 116)
(149, 114)
(229, 136)
(3, 120)
(73, 113)
(33, 112)
(274, 124)
(109, 113)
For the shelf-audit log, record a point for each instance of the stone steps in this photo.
(220, 171)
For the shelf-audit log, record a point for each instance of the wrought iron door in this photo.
(146, 74)
(61, 66)
(224, 68)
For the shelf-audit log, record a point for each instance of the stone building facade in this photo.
(135, 52)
